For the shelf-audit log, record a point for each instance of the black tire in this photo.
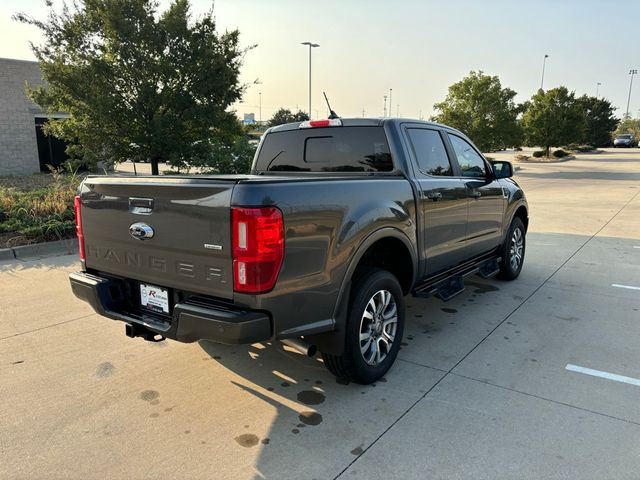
(513, 251)
(352, 365)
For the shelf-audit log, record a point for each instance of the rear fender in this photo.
(333, 342)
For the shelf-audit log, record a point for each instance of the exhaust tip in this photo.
(305, 348)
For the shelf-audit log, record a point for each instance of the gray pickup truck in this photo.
(338, 220)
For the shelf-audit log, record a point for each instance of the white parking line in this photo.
(601, 374)
(636, 246)
(628, 287)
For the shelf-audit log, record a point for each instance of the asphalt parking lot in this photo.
(536, 378)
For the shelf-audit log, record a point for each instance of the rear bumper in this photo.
(190, 321)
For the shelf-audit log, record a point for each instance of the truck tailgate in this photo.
(189, 220)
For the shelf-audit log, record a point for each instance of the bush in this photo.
(585, 148)
(37, 208)
(539, 153)
(574, 147)
(560, 153)
(521, 158)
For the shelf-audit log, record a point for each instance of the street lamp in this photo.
(311, 45)
(632, 72)
(544, 62)
(390, 97)
(260, 107)
(597, 88)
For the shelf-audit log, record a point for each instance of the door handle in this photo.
(475, 194)
(433, 195)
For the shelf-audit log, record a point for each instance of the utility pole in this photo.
(384, 114)
(598, 88)
(311, 45)
(390, 103)
(544, 62)
(632, 72)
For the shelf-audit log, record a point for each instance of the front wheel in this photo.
(513, 251)
(375, 323)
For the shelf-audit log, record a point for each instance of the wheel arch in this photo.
(403, 263)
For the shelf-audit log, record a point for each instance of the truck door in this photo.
(442, 202)
(486, 199)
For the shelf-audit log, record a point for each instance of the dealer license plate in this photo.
(154, 298)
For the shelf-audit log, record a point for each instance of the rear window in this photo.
(332, 149)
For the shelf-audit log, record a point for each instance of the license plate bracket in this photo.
(154, 298)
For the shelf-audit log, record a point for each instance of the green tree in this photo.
(479, 106)
(233, 157)
(284, 115)
(138, 84)
(553, 118)
(598, 120)
(629, 125)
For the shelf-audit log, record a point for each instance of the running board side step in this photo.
(449, 284)
(455, 287)
(490, 268)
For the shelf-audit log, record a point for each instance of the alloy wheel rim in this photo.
(378, 327)
(516, 249)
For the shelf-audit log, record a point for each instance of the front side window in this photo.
(471, 163)
(430, 152)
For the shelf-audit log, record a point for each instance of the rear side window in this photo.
(430, 152)
(332, 149)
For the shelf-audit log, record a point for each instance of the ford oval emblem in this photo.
(141, 231)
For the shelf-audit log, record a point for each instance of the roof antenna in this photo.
(332, 114)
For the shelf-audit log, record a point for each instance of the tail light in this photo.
(258, 248)
(79, 233)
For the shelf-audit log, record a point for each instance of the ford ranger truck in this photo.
(317, 246)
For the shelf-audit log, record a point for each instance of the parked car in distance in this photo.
(625, 140)
(317, 247)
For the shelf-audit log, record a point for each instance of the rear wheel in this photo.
(513, 251)
(375, 323)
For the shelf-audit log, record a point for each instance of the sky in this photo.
(417, 48)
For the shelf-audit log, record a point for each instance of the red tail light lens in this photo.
(79, 233)
(258, 248)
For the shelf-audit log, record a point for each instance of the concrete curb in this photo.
(6, 254)
(47, 249)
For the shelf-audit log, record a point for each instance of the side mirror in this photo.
(502, 169)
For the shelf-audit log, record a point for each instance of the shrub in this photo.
(560, 153)
(37, 208)
(574, 147)
(585, 148)
(521, 158)
(538, 153)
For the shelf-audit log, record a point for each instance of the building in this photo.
(24, 149)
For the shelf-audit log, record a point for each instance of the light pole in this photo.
(260, 107)
(632, 72)
(311, 45)
(390, 99)
(598, 88)
(544, 62)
